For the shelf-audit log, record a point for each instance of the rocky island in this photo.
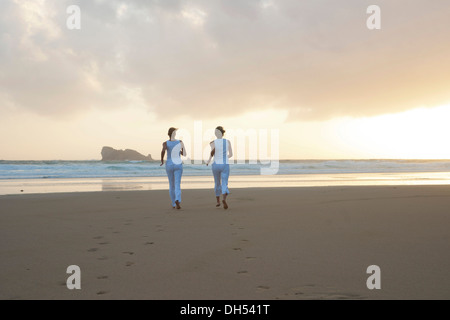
(111, 154)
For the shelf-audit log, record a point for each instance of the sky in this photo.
(310, 69)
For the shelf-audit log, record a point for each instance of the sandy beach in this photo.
(273, 243)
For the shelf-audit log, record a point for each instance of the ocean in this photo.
(22, 177)
(98, 169)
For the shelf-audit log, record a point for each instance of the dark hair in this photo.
(171, 130)
(221, 129)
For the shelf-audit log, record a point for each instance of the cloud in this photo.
(202, 58)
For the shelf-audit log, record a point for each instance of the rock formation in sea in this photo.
(111, 154)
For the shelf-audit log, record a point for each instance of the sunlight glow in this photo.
(421, 133)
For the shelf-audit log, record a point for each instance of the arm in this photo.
(213, 151)
(183, 149)
(230, 150)
(163, 153)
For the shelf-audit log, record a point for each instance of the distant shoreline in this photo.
(247, 160)
(64, 185)
(144, 168)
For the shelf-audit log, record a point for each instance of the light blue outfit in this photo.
(174, 170)
(221, 167)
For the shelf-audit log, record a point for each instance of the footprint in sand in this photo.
(103, 243)
(263, 288)
(237, 249)
(127, 224)
(102, 277)
(343, 296)
(102, 258)
(250, 258)
(128, 252)
(312, 291)
(102, 292)
(147, 243)
(129, 264)
(242, 272)
(244, 240)
(116, 232)
(93, 250)
(97, 238)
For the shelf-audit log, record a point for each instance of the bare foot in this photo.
(225, 204)
(178, 205)
(218, 201)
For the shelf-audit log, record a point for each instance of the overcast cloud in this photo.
(315, 58)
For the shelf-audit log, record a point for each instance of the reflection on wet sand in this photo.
(24, 186)
(120, 186)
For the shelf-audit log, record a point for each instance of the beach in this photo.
(325, 122)
(272, 243)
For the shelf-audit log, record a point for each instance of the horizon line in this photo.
(258, 160)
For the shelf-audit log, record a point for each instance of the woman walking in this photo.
(174, 166)
(221, 151)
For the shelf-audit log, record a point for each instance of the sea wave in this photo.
(99, 169)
